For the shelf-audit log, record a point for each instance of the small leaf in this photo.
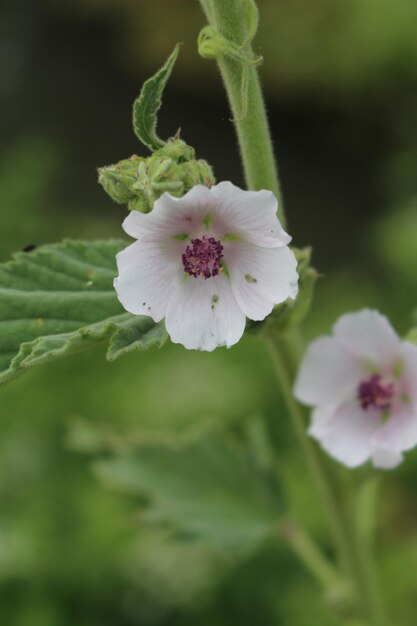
(149, 102)
(211, 489)
(59, 299)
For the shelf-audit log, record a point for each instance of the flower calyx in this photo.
(139, 181)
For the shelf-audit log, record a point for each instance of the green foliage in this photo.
(62, 535)
(210, 488)
(18, 226)
(412, 334)
(156, 560)
(148, 103)
(59, 299)
(395, 238)
(367, 46)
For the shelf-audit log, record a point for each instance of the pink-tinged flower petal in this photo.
(347, 433)
(409, 360)
(261, 277)
(172, 216)
(320, 417)
(189, 210)
(137, 224)
(399, 432)
(385, 458)
(329, 374)
(369, 335)
(384, 452)
(203, 314)
(249, 214)
(147, 274)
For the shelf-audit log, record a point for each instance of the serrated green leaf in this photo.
(211, 488)
(59, 299)
(157, 558)
(148, 103)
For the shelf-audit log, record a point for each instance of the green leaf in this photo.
(211, 488)
(149, 102)
(59, 299)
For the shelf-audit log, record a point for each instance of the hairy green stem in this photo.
(228, 18)
(232, 25)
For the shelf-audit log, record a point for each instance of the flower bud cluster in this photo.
(139, 181)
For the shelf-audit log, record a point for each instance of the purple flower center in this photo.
(202, 257)
(375, 393)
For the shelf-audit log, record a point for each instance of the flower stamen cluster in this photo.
(203, 257)
(374, 393)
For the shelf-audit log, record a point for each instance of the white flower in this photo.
(363, 385)
(206, 261)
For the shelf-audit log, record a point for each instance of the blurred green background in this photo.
(340, 81)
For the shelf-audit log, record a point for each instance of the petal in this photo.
(385, 458)
(249, 214)
(396, 435)
(329, 374)
(347, 433)
(261, 277)
(137, 224)
(147, 273)
(320, 416)
(399, 432)
(203, 314)
(369, 335)
(187, 212)
(171, 216)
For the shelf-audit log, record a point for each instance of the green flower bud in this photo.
(138, 182)
(197, 173)
(177, 150)
(118, 180)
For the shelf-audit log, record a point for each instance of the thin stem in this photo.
(309, 554)
(363, 523)
(314, 459)
(350, 528)
(227, 17)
